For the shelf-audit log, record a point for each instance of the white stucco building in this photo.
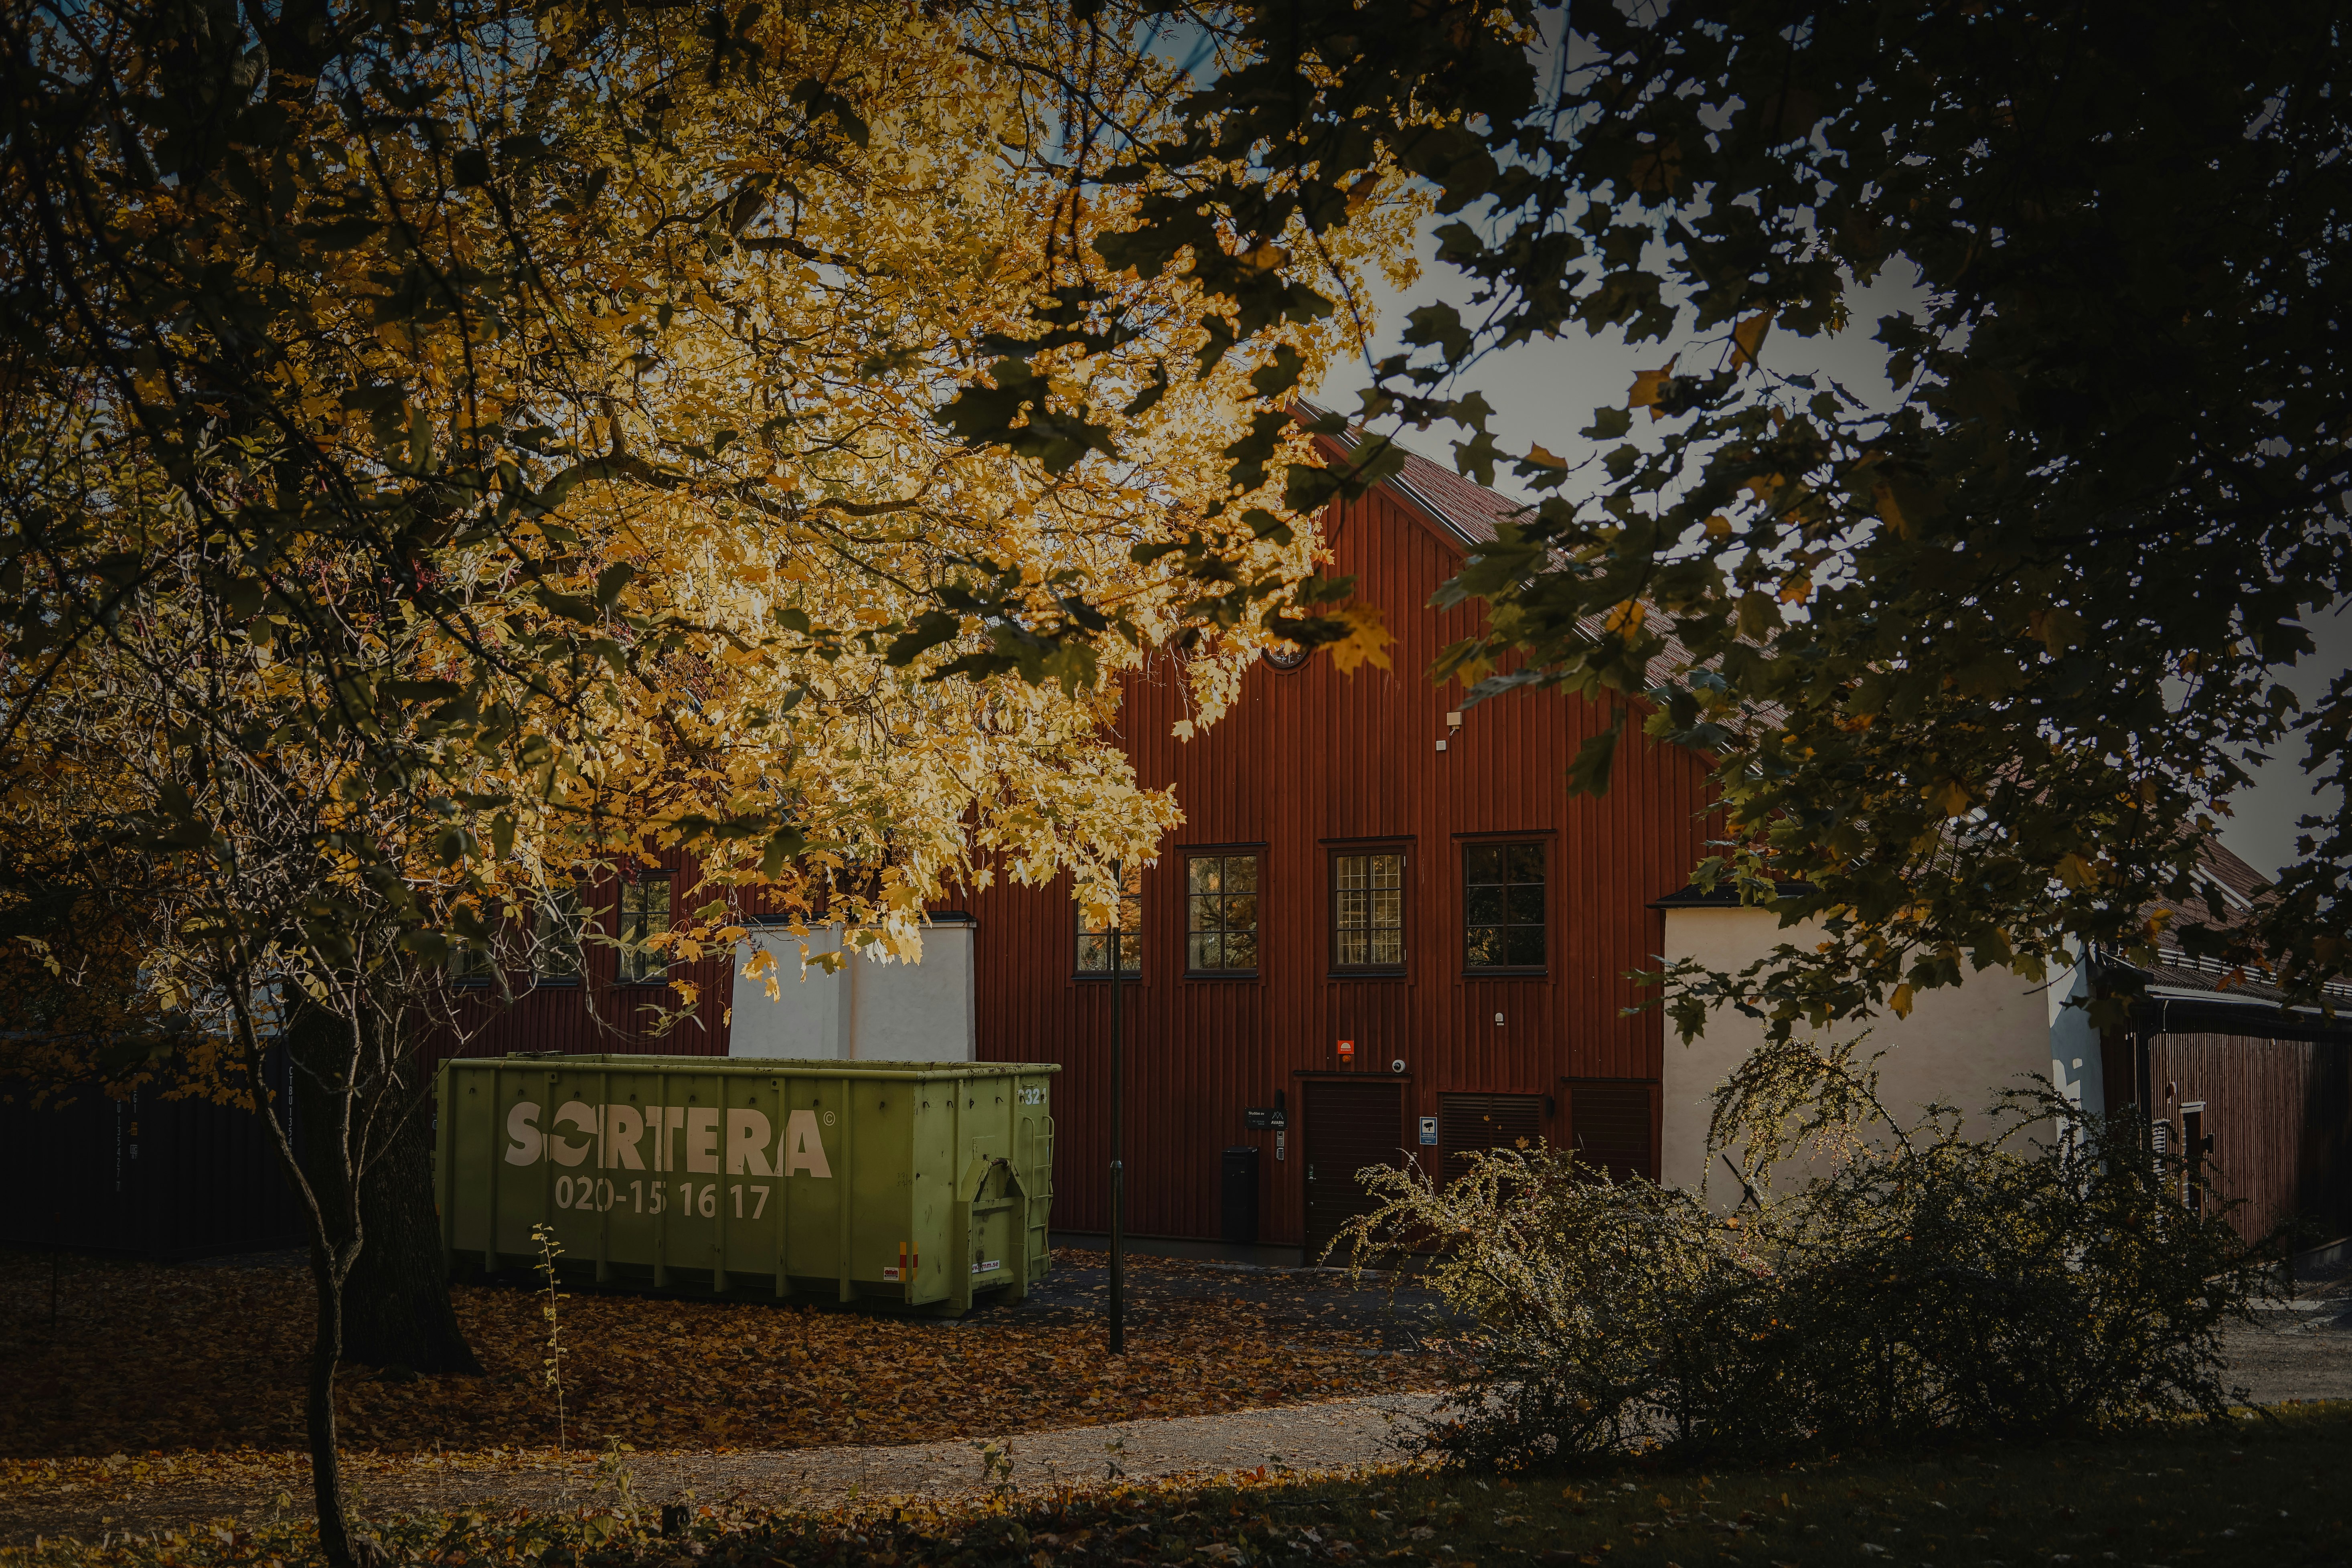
(1960, 1045)
(870, 1009)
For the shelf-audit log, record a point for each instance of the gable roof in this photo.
(1465, 510)
(1467, 513)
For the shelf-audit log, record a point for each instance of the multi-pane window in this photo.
(1102, 945)
(1503, 903)
(555, 936)
(469, 963)
(645, 915)
(1368, 910)
(1221, 913)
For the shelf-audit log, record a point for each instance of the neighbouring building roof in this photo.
(2177, 974)
(1725, 895)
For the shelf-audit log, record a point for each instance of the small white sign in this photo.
(889, 1274)
(1429, 1131)
(989, 1267)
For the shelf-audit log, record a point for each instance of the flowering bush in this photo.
(2048, 1278)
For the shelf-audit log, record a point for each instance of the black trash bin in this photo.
(1241, 1195)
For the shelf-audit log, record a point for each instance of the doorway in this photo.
(1347, 1126)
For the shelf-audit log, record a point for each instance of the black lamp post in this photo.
(1118, 1122)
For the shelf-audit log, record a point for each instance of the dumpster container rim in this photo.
(896, 1071)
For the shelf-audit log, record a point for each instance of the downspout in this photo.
(2142, 1067)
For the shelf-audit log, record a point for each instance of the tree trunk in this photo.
(314, 1170)
(395, 1310)
(396, 1306)
(326, 1465)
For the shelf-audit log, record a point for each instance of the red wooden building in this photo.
(1383, 916)
(1434, 932)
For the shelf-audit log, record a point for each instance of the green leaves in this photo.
(1608, 424)
(1018, 413)
(820, 99)
(1596, 757)
(784, 845)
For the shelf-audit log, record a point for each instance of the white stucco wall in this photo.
(2074, 1065)
(1962, 1044)
(873, 1009)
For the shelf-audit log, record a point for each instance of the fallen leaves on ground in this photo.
(159, 1373)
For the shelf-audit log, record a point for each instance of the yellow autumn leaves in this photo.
(692, 306)
(845, 315)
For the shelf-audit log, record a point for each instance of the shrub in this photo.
(2047, 1278)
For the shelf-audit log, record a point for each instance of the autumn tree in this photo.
(456, 449)
(1980, 667)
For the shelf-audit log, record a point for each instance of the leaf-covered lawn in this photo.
(157, 1360)
(2266, 1491)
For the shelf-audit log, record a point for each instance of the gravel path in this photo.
(2303, 1354)
(1323, 1437)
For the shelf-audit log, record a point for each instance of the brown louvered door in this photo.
(1349, 1126)
(1469, 1124)
(1609, 1125)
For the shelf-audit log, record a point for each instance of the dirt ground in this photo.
(152, 1359)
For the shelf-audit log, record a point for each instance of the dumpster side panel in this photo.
(695, 1173)
(815, 1155)
(522, 1153)
(749, 1136)
(934, 1204)
(882, 1179)
(1032, 1156)
(475, 1110)
(603, 1171)
(634, 1156)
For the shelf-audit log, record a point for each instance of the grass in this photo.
(2267, 1490)
(2258, 1490)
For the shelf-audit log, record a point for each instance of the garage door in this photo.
(1470, 1123)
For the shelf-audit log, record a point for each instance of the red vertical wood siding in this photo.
(2279, 1114)
(595, 1012)
(1306, 762)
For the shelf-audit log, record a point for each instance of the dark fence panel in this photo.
(142, 1177)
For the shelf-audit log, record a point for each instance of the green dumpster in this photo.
(910, 1185)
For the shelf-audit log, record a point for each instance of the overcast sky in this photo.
(1545, 391)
